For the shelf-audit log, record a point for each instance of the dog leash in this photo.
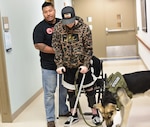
(78, 92)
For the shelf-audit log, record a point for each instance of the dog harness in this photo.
(114, 82)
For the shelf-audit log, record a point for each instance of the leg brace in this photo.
(72, 98)
(91, 98)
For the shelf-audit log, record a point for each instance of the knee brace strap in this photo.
(91, 98)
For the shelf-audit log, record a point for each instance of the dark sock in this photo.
(94, 115)
(75, 115)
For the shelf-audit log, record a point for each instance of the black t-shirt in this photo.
(43, 34)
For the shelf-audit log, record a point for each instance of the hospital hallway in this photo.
(34, 114)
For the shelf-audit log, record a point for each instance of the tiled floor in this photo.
(34, 115)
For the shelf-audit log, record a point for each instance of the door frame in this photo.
(5, 108)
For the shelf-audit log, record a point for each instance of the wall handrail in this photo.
(142, 42)
(118, 30)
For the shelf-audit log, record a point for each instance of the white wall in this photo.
(22, 64)
(59, 4)
(144, 36)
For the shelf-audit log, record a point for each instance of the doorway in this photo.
(113, 24)
(5, 110)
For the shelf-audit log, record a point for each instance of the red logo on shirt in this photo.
(49, 30)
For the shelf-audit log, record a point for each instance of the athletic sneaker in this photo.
(71, 118)
(96, 120)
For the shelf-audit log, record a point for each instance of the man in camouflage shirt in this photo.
(72, 42)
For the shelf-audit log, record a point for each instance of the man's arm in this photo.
(44, 48)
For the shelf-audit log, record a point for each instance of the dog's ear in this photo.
(99, 107)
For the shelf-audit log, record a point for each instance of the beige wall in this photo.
(85, 9)
(100, 11)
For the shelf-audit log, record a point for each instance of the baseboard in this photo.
(20, 110)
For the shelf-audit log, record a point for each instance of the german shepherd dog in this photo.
(137, 83)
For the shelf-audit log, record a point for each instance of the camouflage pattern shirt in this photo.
(73, 46)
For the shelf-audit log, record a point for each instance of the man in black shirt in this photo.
(42, 36)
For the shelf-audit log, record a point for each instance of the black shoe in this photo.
(71, 120)
(66, 115)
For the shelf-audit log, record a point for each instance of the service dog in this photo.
(136, 83)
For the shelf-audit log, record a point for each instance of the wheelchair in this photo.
(99, 85)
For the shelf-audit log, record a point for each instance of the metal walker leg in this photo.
(77, 99)
(57, 92)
